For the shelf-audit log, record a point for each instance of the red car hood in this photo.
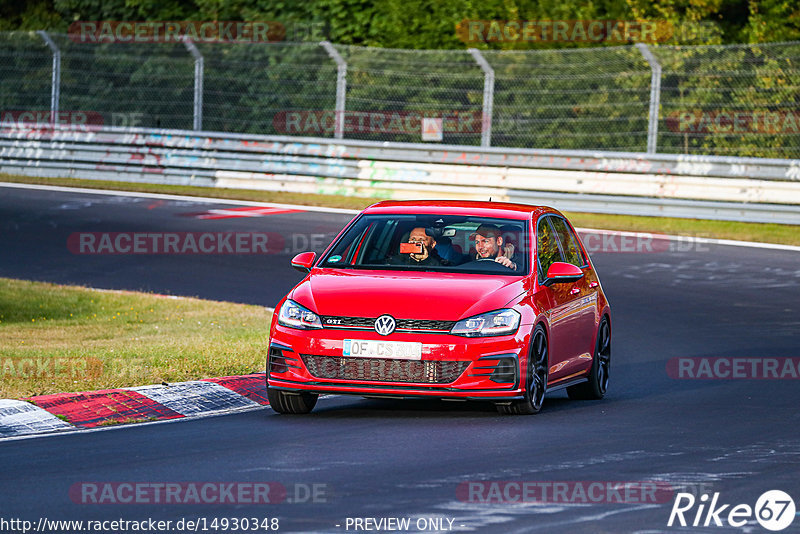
(434, 296)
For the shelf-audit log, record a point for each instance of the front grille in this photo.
(347, 322)
(402, 325)
(383, 370)
(417, 324)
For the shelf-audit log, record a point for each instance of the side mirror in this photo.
(304, 261)
(562, 273)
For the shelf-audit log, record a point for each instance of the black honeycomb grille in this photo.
(402, 325)
(384, 370)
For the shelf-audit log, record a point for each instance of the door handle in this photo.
(594, 283)
(575, 291)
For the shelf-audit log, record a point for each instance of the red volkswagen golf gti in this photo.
(444, 299)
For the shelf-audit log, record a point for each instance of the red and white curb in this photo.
(244, 211)
(91, 409)
(18, 418)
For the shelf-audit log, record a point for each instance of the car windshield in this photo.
(440, 243)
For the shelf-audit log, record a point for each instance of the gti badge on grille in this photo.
(384, 325)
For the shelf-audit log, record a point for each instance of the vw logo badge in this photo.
(384, 325)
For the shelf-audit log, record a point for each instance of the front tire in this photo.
(595, 388)
(291, 403)
(536, 379)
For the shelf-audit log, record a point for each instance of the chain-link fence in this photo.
(26, 70)
(738, 100)
(735, 100)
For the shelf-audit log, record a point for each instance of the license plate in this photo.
(396, 350)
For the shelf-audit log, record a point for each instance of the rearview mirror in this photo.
(304, 261)
(562, 273)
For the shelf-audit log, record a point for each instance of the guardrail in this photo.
(747, 189)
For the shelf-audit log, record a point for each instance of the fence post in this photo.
(199, 65)
(488, 96)
(341, 86)
(655, 96)
(55, 84)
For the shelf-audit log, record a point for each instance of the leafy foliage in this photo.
(426, 23)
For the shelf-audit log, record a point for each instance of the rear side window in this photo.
(546, 246)
(569, 243)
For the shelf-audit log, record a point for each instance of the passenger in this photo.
(511, 235)
(489, 246)
(447, 251)
(428, 254)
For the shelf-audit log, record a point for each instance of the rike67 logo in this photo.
(774, 510)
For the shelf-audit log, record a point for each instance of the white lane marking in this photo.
(20, 417)
(111, 192)
(163, 196)
(691, 239)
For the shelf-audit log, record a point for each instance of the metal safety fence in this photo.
(734, 100)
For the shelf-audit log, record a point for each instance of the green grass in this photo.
(128, 421)
(56, 338)
(767, 233)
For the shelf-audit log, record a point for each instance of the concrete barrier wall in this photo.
(722, 188)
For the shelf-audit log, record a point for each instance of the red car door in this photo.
(568, 307)
(582, 301)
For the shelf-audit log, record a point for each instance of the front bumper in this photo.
(452, 367)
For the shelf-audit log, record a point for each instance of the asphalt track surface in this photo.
(407, 459)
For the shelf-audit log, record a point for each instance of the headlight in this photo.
(496, 323)
(295, 316)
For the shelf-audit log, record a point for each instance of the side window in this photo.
(379, 244)
(569, 243)
(546, 246)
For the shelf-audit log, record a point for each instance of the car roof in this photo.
(459, 207)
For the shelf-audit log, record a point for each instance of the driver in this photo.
(489, 246)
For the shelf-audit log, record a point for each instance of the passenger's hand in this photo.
(422, 256)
